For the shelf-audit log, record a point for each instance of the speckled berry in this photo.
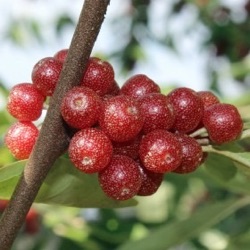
(188, 109)
(151, 181)
(90, 150)
(98, 76)
(80, 107)
(61, 55)
(45, 75)
(25, 102)
(121, 118)
(128, 148)
(138, 86)
(208, 98)
(160, 151)
(223, 123)
(121, 179)
(20, 139)
(158, 112)
(192, 154)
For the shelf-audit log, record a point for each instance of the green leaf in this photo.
(242, 160)
(178, 232)
(220, 167)
(64, 185)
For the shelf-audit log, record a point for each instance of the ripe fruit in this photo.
(98, 76)
(188, 109)
(32, 222)
(208, 98)
(61, 55)
(80, 107)
(121, 179)
(158, 112)
(160, 151)
(128, 148)
(151, 181)
(20, 139)
(90, 150)
(25, 102)
(191, 154)
(223, 123)
(45, 75)
(138, 86)
(121, 118)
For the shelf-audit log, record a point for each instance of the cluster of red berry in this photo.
(131, 136)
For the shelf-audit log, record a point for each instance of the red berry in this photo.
(90, 150)
(139, 85)
(32, 222)
(151, 181)
(128, 148)
(61, 55)
(45, 75)
(21, 138)
(3, 205)
(114, 89)
(188, 109)
(80, 107)
(192, 154)
(98, 76)
(121, 179)
(25, 102)
(160, 151)
(121, 118)
(223, 123)
(208, 98)
(158, 112)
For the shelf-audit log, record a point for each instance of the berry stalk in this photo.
(53, 139)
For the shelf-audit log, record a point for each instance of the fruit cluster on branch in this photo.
(130, 135)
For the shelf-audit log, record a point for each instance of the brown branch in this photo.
(53, 139)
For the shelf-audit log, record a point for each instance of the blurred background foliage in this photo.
(203, 210)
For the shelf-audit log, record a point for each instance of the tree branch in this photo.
(53, 139)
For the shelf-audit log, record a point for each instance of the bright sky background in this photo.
(165, 67)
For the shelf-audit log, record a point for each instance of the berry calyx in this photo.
(160, 151)
(188, 109)
(90, 150)
(223, 123)
(121, 118)
(98, 76)
(121, 179)
(192, 154)
(45, 75)
(80, 107)
(20, 139)
(25, 102)
(138, 86)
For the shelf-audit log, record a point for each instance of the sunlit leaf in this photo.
(178, 232)
(64, 185)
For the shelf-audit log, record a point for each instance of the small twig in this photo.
(53, 139)
(200, 132)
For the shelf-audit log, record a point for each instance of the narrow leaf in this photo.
(176, 233)
(64, 185)
(242, 159)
